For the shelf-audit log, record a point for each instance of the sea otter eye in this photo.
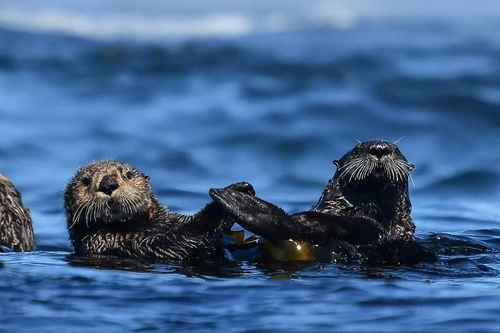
(86, 181)
(356, 150)
(129, 174)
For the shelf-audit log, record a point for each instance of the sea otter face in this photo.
(374, 172)
(376, 162)
(105, 192)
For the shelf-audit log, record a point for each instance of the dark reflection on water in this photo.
(272, 108)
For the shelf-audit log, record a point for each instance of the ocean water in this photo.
(201, 95)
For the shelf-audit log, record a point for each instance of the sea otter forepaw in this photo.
(243, 187)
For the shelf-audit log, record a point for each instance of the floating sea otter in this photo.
(16, 228)
(362, 216)
(111, 210)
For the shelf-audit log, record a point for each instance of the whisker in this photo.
(77, 216)
(355, 170)
(395, 172)
(347, 168)
(403, 169)
(370, 169)
(87, 217)
(100, 207)
(361, 172)
(395, 142)
(128, 205)
(349, 165)
(358, 169)
(411, 178)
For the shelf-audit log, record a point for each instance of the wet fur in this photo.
(372, 178)
(111, 210)
(363, 213)
(16, 228)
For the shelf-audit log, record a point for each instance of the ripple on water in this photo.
(274, 109)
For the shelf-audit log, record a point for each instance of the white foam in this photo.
(126, 25)
(157, 19)
(96, 24)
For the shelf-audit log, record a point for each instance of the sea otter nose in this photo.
(108, 185)
(379, 150)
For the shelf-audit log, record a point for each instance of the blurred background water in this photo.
(203, 94)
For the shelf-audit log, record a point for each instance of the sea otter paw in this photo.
(243, 187)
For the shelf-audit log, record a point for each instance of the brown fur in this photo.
(111, 210)
(16, 228)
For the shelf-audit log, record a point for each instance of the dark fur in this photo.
(16, 228)
(373, 178)
(363, 212)
(111, 210)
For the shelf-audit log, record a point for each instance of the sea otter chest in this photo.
(381, 193)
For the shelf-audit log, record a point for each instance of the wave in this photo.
(145, 26)
(152, 19)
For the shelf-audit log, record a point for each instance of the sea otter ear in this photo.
(146, 177)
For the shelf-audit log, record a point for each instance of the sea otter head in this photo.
(106, 192)
(374, 172)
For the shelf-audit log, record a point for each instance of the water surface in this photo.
(200, 96)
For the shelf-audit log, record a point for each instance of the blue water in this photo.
(203, 95)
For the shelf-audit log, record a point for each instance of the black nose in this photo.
(379, 150)
(108, 185)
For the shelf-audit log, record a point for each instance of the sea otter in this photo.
(111, 210)
(16, 227)
(373, 176)
(363, 214)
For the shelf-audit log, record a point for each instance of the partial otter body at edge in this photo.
(362, 216)
(16, 227)
(111, 210)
